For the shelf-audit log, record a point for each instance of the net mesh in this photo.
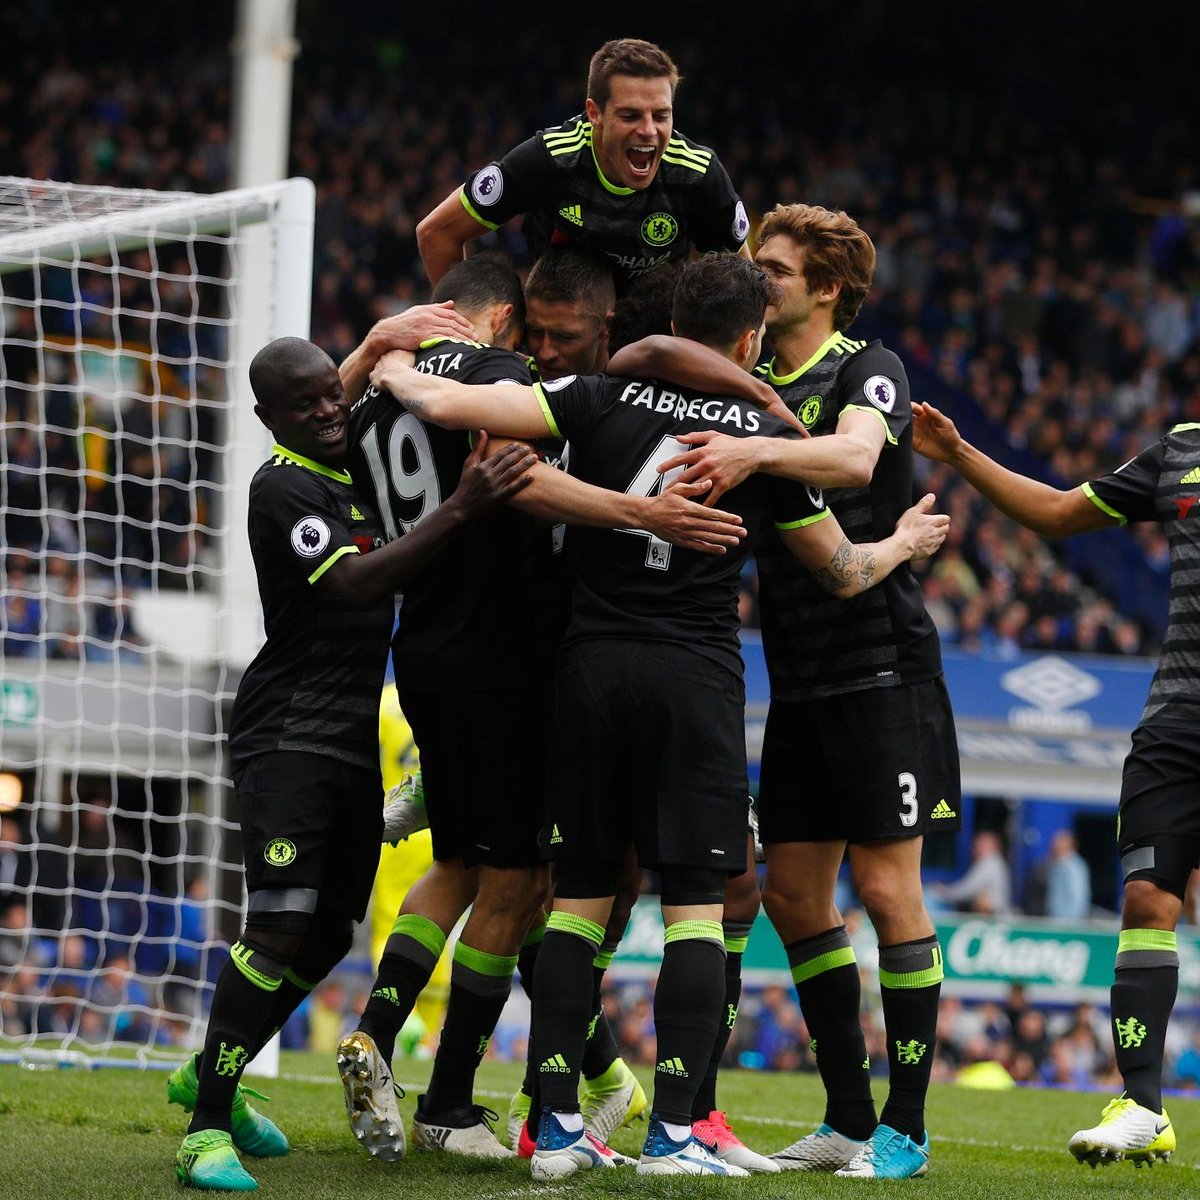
(120, 880)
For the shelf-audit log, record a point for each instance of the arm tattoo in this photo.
(414, 404)
(847, 562)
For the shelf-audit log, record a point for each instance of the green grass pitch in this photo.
(110, 1133)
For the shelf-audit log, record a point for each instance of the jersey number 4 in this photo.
(648, 482)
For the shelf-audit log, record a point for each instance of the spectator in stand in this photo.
(1068, 879)
(986, 888)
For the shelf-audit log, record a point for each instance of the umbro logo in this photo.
(572, 213)
(942, 811)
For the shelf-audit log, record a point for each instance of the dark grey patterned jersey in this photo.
(1162, 484)
(815, 644)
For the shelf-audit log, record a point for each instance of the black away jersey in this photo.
(1162, 484)
(556, 182)
(815, 644)
(476, 609)
(627, 583)
(314, 686)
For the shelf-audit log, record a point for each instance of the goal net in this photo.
(127, 321)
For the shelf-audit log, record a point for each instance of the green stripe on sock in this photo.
(915, 979)
(305, 985)
(736, 945)
(1146, 939)
(565, 922)
(841, 957)
(241, 956)
(695, 930)
(422, 931)
(480, 961)
(603, 960)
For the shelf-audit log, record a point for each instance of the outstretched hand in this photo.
(678, 519)
(488, 481)
(934, 434)
(923, 530)
(717, 458)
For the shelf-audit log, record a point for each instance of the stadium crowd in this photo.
(1046, 287)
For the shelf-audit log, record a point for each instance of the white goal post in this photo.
(127, 443)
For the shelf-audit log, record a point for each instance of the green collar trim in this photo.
(307, 463)
(462, 341)
(820, 353)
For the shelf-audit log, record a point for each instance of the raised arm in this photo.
(404, 331)
(694, 365)
(485, 482)
(1048, 511)
(442, 235)
(845, 569)
(509, 409)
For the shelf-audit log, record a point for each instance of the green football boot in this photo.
(253, 1133)
(207, 1160)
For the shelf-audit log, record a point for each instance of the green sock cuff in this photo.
(1145, 949)
(255, 967)
(565, 922)
(829, 961)
(911, 965)
(736, 945)
(483, 963)
(422, 931)
(823, 952)
(1147, 939)
(680, 931)
(603, 960)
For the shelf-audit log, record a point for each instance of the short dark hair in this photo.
(280, 365)
(480, 281)
(628, 56)
(573, 275)
(646, 308)
(720, 296)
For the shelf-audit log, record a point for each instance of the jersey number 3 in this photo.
(648, 482)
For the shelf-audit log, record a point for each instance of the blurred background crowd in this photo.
(1039, 253)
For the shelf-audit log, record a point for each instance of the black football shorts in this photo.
(311, 822)
(860, 766)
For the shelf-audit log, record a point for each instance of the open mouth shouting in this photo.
(642, 158)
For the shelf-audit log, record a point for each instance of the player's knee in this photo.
(689, 887)
(1145, 905)
(329, 941)
(514, 894)
(742, 897)
(278, 921)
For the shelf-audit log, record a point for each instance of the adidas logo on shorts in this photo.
(942, 811)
